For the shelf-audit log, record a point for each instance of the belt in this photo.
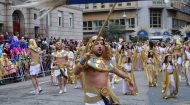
(170, 73)
(129, 71)
(34, 63)
(100, 92)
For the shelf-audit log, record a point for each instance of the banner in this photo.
(99, 1)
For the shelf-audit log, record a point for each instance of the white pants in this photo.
(101, 102)
(125, 88)
(172, 86)
(179, 60)
(188, 76)
(35, 70)
(187, 72)
(58, 72)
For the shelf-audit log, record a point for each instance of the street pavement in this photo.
(19, 94)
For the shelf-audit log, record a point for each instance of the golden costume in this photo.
(151, 68)
(35, 52)
(187, 67)
(71, 76)
(61, 57)
(3, 62)
(100, 64)
(127, 67)
(79, 79)
(170, 82)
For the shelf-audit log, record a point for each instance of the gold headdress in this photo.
(178, 47)
(107, 52)
(32, 44)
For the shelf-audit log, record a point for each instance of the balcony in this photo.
(111, 28)
(158, 3)
(179, 6)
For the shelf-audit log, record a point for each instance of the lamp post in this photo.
(126, 24)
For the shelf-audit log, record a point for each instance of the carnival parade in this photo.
(103, 69)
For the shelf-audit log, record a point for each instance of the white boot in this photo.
(65, 89)
(61, 92)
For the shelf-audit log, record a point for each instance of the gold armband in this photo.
(79, 65)
(127, 79)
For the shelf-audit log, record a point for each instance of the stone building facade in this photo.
(64, 22)
(155, 15)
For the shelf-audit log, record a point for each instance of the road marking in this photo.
(44, 82)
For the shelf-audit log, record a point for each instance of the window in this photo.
(111, 4)
(185, 8)
(158, 2)
(1, 27)
(71, 20)
(131, 23)
(116, 22)
(120, 4)
(102, 5)
(48, 19)
(60, 18)
(155, 18)
(122, 22)
(86, 6)
(35, 16)
(128, 4)
(87, 25)
(94, 5)
(179, 23)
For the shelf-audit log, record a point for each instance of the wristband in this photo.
(82, 61)
(79, 65)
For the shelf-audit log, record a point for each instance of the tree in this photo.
(140, 38)
(113, 32)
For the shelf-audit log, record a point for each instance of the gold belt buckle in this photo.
(104, 92)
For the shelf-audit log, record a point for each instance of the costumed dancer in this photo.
(113, 58)
(79, 78)
(35, 68)
(139, 63)
(170, 82)
(3, 62)
(59, 66)
(178, 60)
(151, 71)
(151, 67)
(70, 54)
(96, 65)
(162, 52)
(187, 63)
(25, 53)
(127, 68)
(118, 57)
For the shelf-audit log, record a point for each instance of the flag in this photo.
(99, 1)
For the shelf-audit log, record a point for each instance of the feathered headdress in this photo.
(23, 45)
(15, 44)
(185, 30)
(11, 40)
